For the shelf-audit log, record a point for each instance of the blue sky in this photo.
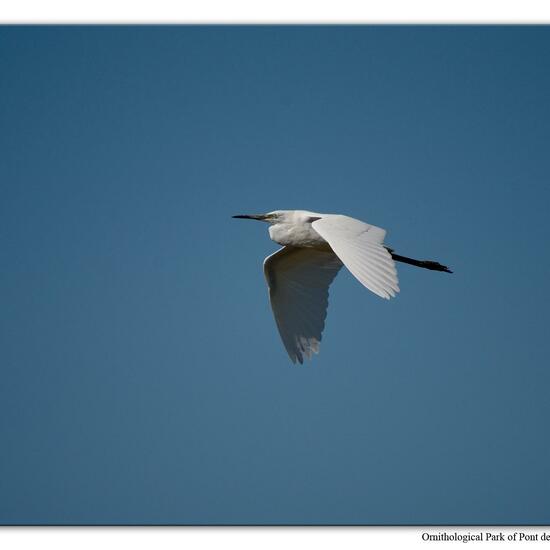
(143, 377)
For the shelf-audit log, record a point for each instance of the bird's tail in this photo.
(426, 264)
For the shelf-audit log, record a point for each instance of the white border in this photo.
(254, 538)
(282, 11)
(247, 11)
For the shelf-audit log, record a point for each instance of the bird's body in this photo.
(315, 246)
(297, 230)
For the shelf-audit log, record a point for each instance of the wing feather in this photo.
(359, 246)
(298, 281)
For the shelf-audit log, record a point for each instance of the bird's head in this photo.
(283, 216)
(277, 216)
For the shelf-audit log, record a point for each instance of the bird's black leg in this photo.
(426, 264)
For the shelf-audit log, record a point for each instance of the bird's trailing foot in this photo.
(426, 264)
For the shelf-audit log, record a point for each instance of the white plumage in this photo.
(298, 281)
(315, 246)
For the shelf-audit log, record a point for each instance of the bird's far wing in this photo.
(298, 281)
(359, 246)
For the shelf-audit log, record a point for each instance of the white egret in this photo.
(315, 246)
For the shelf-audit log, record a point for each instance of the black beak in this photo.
(250, 217)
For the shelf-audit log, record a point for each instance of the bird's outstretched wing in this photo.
(298, 281)
(359, 246)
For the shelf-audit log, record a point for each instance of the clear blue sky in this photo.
(143, 379)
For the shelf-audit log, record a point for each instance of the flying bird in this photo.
(315, 246)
